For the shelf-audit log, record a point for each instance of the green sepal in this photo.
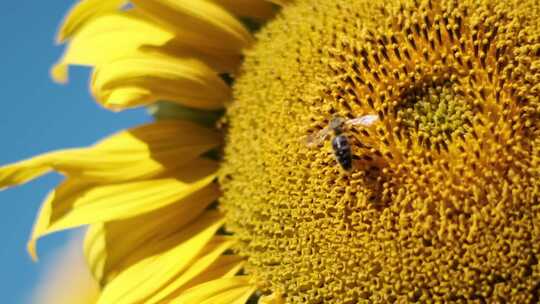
(163, 110)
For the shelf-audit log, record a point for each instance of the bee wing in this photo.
(315, 139)
(365, 120)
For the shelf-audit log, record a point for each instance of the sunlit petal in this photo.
(83, 12)
(211, 262)
(226, 266)
(73, 203)
(109, 37)
(200, 23)
(144, 278)
(274, 298)
(140, 80)
(113, 246)
(233, 290)
(140, 152)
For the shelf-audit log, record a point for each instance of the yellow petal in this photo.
(84, 11)
(124, 96)
(109, 37)
(200, 23)
(238, 295)
(219, 61)
(74, 203)
(138, 282)
(113, 246)
(140, 152)
(139, 80)
(235, 290)
(202, 264)
(60, 72)
(258, 9)
(275, 298)
(226, 266)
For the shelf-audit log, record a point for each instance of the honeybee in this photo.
(340, 143)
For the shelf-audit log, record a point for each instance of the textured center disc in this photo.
(442, 202)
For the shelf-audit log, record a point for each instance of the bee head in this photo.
(336, 124)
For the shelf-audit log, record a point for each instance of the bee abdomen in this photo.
(342, 151)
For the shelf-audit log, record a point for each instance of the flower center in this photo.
(436, 113)
(441, 202)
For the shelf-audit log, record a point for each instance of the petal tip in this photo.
(127, 97)
(32, 250)
(60, 37)
(59, 73)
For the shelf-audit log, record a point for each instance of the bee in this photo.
(340, 143)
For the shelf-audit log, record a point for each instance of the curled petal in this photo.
(83, 12)
(74, 203)
(140, 80)
(140, 152)
(109, 37)
(200, 23)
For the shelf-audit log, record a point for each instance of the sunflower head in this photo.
(442, 200)
(376, 151)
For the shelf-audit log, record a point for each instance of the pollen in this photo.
(442, 202)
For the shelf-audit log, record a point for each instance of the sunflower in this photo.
(368, 152)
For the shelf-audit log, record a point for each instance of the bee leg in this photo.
(356, 162)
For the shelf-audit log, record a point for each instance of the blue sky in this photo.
(38, 116)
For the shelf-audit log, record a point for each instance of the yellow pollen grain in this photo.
(442, 203)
